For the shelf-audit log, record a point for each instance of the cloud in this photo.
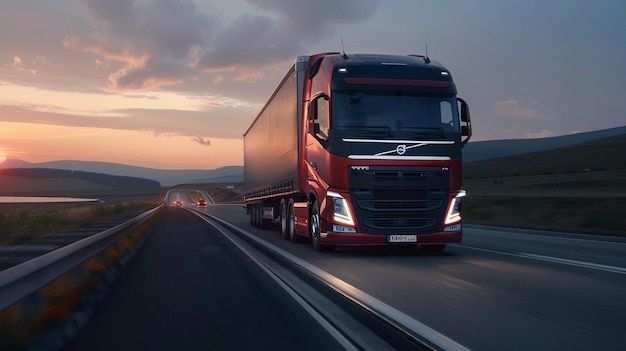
(221, 124)
(19, 65)
(157, 43)
(287, 30)
(512, 108)
(532, 109)
(198, 139)
(543, 134)
(311, 19)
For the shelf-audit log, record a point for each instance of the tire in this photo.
(315, 229)
(255, 216)
(250, 211)
(433, 248)
(284, 220)
(291, 223)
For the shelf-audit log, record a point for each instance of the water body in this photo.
(41, 199)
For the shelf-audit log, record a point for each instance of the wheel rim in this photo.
(315, 226)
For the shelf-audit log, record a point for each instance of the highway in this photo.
(189, 287)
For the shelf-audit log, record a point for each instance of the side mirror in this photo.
(466, 123)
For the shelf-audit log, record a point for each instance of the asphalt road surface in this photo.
(502, 289)
(190, 289)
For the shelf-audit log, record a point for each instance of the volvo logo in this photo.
(401, 149)
(360, 168)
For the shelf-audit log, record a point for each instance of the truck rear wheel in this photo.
(291, 223)
(284, 220)
(254, 215)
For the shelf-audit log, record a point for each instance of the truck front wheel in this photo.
(315, 229)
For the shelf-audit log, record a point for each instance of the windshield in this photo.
(394, 111)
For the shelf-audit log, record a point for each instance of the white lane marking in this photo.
(589, 265)
(566, 261)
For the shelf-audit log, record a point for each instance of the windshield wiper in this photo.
(369, 131)
(424, 131)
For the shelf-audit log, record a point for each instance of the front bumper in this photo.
(361, 239)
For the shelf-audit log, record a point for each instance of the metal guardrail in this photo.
(19, 281)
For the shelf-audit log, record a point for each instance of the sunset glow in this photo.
(176, 84)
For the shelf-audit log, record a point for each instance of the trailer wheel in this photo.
(255, 215)
(250, 210)
(284, 220)
(315, 229)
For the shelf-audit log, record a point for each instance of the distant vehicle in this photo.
(178, 203)
(359, 150)
(202, 203)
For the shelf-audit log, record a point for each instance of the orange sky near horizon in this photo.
(39, 128)
(136, 148)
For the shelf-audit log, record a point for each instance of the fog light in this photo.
(342, 229)
(452, 228)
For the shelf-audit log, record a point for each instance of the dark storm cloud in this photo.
(288, 30)
(157, 41)
(163, 27)
(312, 18)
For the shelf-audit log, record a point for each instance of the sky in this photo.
(174, 84)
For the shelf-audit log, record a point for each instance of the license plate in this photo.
(402, 238)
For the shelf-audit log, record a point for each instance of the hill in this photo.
(601, 154)
(481, 150)
(163, 176)
(37, 180)
(473, 151)
(577, 188)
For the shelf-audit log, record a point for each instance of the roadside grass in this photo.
(27, 222)
(585, 202)
(582, 215)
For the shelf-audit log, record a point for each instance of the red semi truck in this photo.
(359, 150)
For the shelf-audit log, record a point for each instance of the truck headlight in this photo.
(341, 210)
(454, 209)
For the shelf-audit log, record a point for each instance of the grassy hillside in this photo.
(44, 182)
(482, 150)
(577, 188)
(601, 154)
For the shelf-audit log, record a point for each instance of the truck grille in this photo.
(400, 224)
(403, 200)
(394, 205)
